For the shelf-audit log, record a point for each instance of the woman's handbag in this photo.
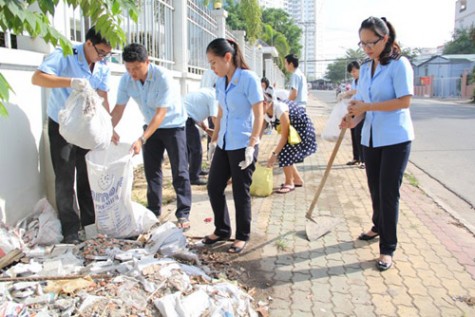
(293, 138)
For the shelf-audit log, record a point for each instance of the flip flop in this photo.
(296, 185)
(284, 189)
(184, 224)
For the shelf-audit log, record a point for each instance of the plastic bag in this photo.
(111, 175)
(262, 181)
(84, 121)
(332, 129)
(43, 226)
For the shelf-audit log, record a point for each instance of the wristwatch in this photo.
(143, 139)
(274, 154)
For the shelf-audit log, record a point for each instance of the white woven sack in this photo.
(84, 121)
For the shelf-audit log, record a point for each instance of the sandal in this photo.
(208, 241)
(184, 224)
(235, 249)
(284, 189)
(296, 185)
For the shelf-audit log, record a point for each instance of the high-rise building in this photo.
(308, 14)
(277, 4)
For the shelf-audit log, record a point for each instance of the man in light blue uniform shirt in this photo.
(200, 105)
(158, 98)
(298, 82)
(85, 67)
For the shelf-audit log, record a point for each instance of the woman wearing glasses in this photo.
(385, 89)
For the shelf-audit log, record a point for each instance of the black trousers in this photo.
(225, 165)
(358, 154)
(385, 170)
(174, 141)
(69, 164)
(195, 150)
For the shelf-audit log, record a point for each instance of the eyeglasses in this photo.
(101, 53)
(369, 45)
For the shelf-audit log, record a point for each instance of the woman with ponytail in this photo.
(385, 90)
(234, 145)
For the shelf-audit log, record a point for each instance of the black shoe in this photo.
(208, 241)
(353, 162)
(72, 238)
(204, 172)
(366, 237)
(199, 182)
(383, 266)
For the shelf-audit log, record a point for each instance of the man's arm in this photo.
(50, 81)
(151, 128)
(104, 95)
(293, 94)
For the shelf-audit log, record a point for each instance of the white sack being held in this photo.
(84, 121)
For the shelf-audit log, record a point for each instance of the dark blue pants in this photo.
(195, 151)
(174, 141)
(69, 164)
(356, 142)
(385, 170)
(225, 165)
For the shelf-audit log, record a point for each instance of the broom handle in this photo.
(327, 172)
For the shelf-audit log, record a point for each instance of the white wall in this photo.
(25, 167)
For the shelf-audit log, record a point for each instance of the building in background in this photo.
(464, 14)
(308, 15)
(277, 4)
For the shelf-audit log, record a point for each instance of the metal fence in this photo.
(154, 29)
(201, 30)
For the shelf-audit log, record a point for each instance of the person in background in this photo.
(85, 67)
(265, 83)
(358, 158)
(287, 113)
(235, 140)
(267, 128)
(158, 98)
(298, 81)
(385, 89)
(199, 105)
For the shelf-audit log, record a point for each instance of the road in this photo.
(443, 153)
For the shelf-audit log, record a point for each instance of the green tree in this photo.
(281, 22)
(32, 17)
(278, 40)
(252, 19)
(462, 42)
(336, 71)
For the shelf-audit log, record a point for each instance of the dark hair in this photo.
(353, 64)
(220, 47)
(96, 37)
(292, 59)
(135, 53)
(381, 27)
(265, 81)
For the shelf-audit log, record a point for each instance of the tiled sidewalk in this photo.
(335, 275)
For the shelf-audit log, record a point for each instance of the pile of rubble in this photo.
(155, 275)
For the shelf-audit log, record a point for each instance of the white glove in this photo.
(211, 150)
(79, 83)
(248, 157)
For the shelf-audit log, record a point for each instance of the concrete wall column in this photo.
(220, 16)
(180, 42)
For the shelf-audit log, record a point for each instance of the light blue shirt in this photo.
(201, 104)
(390, 81)
(72, 66)
(158, 91)
(236, 103)
(299, 82)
